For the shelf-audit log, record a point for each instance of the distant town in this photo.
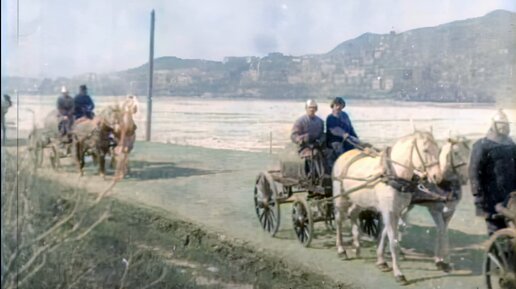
(462, 61)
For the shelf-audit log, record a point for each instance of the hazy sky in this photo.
(68, 37)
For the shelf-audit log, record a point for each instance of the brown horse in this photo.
(91, 136)
(94, 136)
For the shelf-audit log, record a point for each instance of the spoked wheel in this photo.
(302, 221)
(266, 203)
(500, 261)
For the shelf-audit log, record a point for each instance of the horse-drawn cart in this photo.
(300, 183)
(48, 138)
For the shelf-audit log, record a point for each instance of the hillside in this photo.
(467, 60)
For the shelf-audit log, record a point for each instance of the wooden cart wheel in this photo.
(500, 260)
(266, 203)
(302, 221)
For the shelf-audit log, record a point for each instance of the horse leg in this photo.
(355, 229)
(403, 221)
(402, 227)
(445, 250)
(121, 166)
(380, 251)
(113, 160)
(441, 220)
(340, 215)
(79, 156)
(392, 233)
(102, 164)
(437, 216)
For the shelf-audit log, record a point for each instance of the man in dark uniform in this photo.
(492, 171)
(84, 105)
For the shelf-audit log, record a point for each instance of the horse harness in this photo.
(388, 175)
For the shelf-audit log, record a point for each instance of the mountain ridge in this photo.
(464, 60)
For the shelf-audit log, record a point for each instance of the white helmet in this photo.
(501, 123)
(500, 116)
(311, 103)
(63, 89)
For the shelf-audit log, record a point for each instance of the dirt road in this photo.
(213, 188)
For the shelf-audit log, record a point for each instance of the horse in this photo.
(125, 132)
(382, 182)
(6, 104)
(91, 136)
(94, 136)
(454, 160)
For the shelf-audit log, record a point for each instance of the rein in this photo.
(388, 176)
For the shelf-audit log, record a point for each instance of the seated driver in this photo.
(65, 110)
(308, 131)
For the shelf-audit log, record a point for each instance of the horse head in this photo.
(417, 153)
(454, 158)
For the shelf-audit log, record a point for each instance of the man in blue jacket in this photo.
(339, 128)
(83, 103)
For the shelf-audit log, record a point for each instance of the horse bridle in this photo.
(423, 164)
(461, 164)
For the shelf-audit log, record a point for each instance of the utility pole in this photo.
(151, 72)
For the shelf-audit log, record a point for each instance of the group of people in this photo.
(492, 170)
(70, 109)
(340, 137)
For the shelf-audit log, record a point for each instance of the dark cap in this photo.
(83, 87)
(338, 100)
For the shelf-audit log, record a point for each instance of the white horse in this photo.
(454, 159)
(362, 181)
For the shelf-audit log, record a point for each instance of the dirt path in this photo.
(213, 188)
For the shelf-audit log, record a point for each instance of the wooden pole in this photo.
(151, 72)
(270, 143)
